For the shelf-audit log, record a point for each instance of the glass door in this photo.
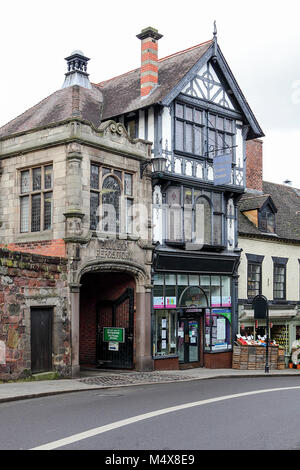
(188, 341)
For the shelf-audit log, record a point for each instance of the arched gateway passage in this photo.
(111, 316)
(107, 320)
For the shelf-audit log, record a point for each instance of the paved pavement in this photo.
(95, 379)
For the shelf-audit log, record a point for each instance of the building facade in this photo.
(68, 183)
(192, 109)
(269, 237)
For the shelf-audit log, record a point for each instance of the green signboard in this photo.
(116, 335)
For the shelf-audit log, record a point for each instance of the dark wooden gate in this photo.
(41, 339)
(118, 314)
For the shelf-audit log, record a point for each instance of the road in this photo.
(219, 414)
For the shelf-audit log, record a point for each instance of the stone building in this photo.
(69, 183)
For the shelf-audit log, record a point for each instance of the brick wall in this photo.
(26, 281)
(254, 152)
(55, 248)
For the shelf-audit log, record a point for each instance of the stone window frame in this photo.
(127, 196)
(30, 193)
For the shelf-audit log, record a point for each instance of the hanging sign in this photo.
(222, 169)
(260, 307)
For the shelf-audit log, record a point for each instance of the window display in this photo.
(182, 299)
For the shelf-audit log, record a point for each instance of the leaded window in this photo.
(199, 136)
(111, 199)
(36, 199)
(194, 216)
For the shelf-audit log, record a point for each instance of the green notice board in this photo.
(116, 335)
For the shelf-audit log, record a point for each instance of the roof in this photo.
(63, 104)
(251, 202)
(287, 202)
(122, 94)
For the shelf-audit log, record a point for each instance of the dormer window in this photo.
(261, 211)
(266, 220)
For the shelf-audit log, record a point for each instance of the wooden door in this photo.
(41, 339)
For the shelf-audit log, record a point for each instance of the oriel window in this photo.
(36, 206)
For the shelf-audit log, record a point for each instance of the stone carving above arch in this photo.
(136, 270)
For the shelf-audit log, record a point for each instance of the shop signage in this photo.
(222, 169)
(158, 302)
(225, 312)
(260, 307)
(113, 346)
(170, 302)
(113, 335)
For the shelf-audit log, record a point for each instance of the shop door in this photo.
(189, 342)
(41, 340)
(116, 316)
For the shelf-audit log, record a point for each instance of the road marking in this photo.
(135, 419)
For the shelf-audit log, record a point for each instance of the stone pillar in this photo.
(75, 311)
(144, 361)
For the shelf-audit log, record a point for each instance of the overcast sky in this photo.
(260, 40)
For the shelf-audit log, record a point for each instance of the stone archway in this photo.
(142, 320)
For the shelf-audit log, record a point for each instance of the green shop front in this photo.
(194, 313)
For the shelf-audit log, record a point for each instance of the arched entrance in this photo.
(107, 320)
(192, 303)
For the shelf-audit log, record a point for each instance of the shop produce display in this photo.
(250, 341)
(250, 354)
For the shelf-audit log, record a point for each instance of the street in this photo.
(219, 414)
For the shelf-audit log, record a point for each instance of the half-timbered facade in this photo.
(192, 109)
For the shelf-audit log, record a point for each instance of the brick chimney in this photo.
(254, 168)
(149, 59)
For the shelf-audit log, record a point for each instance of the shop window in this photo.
(181, 291)
(165, 332)
(36, 199)
(218, 334)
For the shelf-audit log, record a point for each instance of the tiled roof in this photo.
(122, 94)
(69, 102)
(287, 202)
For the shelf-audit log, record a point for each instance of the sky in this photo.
(259, 39)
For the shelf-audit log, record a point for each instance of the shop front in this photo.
(284, 326)
(192, 320)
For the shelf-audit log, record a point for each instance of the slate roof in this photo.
(65, 103)
(287, 202)
(122, 94)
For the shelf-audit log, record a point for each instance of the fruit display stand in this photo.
(253, 357)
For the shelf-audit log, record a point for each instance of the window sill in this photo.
(34, 236)
(114, 236)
